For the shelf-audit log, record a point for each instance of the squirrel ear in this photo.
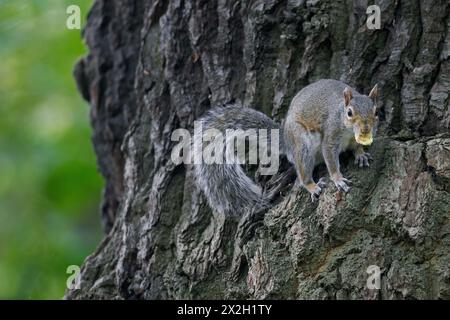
(348, 95)
(374, 92)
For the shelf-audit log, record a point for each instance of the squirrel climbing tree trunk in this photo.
(155, 66)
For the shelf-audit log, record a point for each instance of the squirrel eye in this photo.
(376, 113)
(349, 113)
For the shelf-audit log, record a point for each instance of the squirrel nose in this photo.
(365, 130)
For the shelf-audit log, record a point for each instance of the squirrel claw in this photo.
(317, 190)
(322, 183)
(347, 181)
(342, 184)
(316, 194)
(363, 159)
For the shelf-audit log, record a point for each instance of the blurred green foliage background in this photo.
(49, 185)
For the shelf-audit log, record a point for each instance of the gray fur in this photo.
(323, 102)
(230, 191)
(226, 186)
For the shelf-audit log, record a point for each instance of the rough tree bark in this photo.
(157, 65)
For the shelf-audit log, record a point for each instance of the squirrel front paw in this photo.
(315, 189)
(362, 159)
(342, 184)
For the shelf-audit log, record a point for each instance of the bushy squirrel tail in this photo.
(226, 186)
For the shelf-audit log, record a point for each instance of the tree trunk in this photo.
(155, 66)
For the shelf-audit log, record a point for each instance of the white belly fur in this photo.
(347, 139)
(346, 142)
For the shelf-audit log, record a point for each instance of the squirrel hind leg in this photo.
(305, 160)
(316, 189)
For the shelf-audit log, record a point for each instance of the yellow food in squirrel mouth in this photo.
(366, 141)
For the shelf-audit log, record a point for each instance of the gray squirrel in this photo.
(324, 119)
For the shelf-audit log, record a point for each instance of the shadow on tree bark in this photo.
(156, 67)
